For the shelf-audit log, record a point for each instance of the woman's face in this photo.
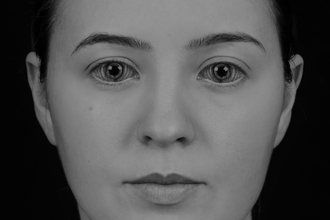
(200, 94)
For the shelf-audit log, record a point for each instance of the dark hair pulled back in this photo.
(284, 19)
(42, 28)
(46, 11)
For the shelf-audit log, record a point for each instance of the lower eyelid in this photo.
(223, 86)
(114, 84)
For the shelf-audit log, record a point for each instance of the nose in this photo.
(166, 121)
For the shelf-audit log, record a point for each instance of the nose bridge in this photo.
(167, 92)
(167, 120)
(168, 87)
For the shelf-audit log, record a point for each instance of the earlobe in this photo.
(39, 96)
(297, 66)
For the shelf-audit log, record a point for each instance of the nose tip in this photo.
(166, 130)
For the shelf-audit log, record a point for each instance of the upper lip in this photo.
(157, 178)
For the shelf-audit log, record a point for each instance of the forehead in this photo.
(170, 22)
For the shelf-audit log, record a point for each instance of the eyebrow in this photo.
(114, 39)
(213, 39)
(131, 42)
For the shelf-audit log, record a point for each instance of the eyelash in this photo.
(237, 71)
(97, 73)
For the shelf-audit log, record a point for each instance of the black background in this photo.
(296, 186)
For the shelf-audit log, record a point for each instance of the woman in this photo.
(164, 109)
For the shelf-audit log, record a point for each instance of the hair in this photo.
(42, 28)
(44, 19)
(284, 18)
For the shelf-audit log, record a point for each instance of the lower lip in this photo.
(165, 194)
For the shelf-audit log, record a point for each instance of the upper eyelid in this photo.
(224, 59)
(112, 59)
(240, 69)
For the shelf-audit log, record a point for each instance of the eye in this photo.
(221, 73)
(114, 72)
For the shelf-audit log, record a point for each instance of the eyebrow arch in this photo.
(212, 39)
(113, 39)
(208, 40)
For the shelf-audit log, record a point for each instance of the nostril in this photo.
(164, 142)
(146, 139)
(182, 140)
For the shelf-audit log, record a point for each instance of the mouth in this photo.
(164, 190)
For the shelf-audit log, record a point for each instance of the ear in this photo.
(297, 66)
(39, 96)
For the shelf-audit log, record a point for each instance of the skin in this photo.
(167, 121)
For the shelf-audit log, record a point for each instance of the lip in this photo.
(168, 190)
(157, 178)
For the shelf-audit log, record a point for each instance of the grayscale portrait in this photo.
(164, 109)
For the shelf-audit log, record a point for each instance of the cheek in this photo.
(242, 137)
(90, 130)
(86, 134)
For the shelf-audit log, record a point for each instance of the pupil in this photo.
(221, 71)
(114, 71)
